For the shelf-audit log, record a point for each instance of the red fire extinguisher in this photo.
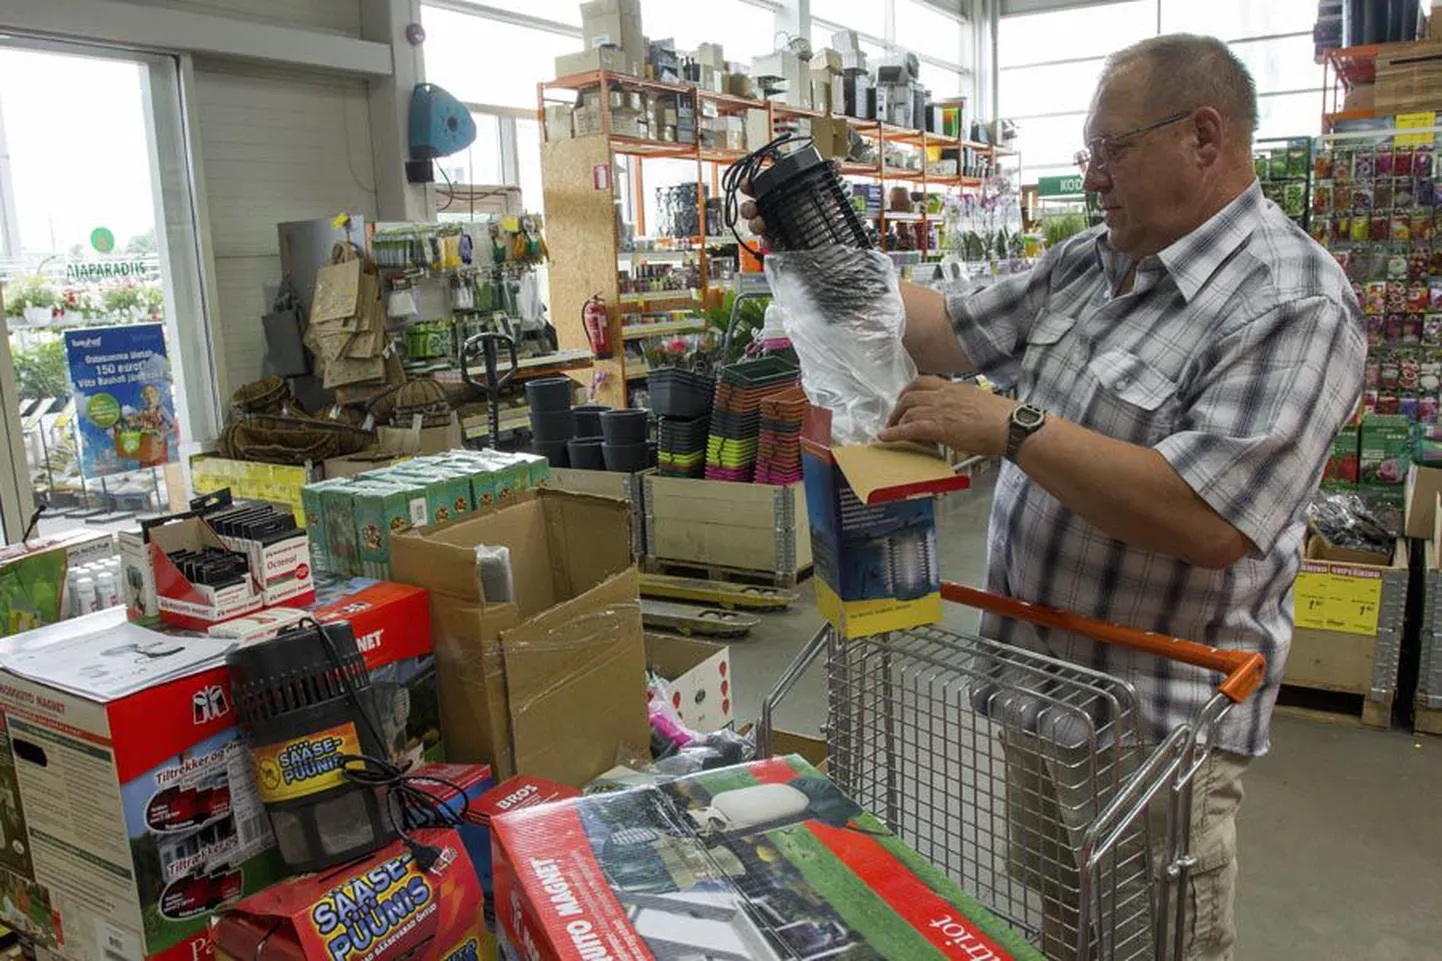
(598, 326)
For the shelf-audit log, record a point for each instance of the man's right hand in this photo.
(753, 219)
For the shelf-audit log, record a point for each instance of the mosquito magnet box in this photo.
(304, 700)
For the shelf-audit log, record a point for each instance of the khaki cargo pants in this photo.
(1045, 820)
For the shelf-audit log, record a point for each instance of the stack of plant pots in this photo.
(624, 445)
(736, 415)
(553, 423)
(681, 401)
(778, 453)
(585, 447)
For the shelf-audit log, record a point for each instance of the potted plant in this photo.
(32, 298)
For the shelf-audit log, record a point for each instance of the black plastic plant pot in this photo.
(679, 393)
(626, 458)
(588, 419)
(586, 453)
(549, 393)
(624, 427)
(553, 451)
(551, 426)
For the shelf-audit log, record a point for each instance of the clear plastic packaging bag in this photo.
(845, 318)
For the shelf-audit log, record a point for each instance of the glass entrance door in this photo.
(109, 374)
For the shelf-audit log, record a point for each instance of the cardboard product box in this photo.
(550, 682)
(32, 576)
(873, 530)
(609, 59)
(405, 912)
(739, 84)
(699, 675)
(191, 605)
(392, 626)
(765, 861)
(558, 122)
(831, 136)
(1385, 449)
(383, 510)
(612, 23)
(131, 812)
(317, 519)
(1424, 484)
(1342, 468)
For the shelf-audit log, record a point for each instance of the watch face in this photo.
(1028, 417)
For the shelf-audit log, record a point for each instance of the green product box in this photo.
(512, 476)
(311, 496)
(540, 468)
(1385, 450)
(441, 492)
(381, 512)
(338, 505)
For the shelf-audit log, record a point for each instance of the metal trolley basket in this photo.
(1024, 777)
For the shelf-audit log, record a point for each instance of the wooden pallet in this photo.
(1427, 720)
(724, 594)
(731, 575)
(1335, 707)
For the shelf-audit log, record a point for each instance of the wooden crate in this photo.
(1349, 630)
(1428, 702)
(718, 524)
(630, 488)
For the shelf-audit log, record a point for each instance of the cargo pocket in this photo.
(1211, 884)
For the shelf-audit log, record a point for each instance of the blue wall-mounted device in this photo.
(440, 125)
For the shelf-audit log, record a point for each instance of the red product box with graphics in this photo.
(384, 908)
(766, 861)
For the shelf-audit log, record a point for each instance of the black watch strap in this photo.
(1025, 421)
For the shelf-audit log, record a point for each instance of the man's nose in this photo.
(1095, 179)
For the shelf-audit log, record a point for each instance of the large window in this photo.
(1050, 64)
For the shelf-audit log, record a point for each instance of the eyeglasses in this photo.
(1099, 150)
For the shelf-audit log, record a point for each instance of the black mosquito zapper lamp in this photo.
(802, 198)
(304, 701)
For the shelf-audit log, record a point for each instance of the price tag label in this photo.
(1412, 121)
(1338, 597)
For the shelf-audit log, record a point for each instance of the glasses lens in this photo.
(1083, 159)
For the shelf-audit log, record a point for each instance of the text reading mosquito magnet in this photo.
(304, 701)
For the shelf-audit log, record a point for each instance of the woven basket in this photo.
(245, 441)
(269, 395)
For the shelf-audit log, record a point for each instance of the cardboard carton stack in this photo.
(611, 31)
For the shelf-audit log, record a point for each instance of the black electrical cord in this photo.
(743, 172)
(407, 806)
(34, 521)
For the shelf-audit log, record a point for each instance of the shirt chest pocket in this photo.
(1130, 399)
(1049, 363)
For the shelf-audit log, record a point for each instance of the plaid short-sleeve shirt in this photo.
(1237, 355)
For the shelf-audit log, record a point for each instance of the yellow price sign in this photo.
(1338, 597)
(1413, 121)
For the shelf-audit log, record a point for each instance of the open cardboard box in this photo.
(549, 683)
(873, 529)
(699, 675)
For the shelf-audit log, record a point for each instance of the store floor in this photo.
(1340, 833)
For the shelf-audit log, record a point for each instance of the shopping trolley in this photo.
(1026, 778)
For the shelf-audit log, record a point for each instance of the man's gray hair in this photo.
(1186, 71)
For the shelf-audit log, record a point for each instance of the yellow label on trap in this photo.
(1333, 597)
(305, 765)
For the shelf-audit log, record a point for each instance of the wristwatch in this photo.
(1025, 421)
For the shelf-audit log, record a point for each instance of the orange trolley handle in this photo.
(1244, 670)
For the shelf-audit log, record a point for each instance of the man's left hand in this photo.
(965, 418)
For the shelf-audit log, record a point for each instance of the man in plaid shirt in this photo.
(1181, 373)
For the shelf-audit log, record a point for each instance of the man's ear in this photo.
(1208, 127)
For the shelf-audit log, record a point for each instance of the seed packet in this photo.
(1412, 330)
(1402, 196)
(1408, 372)
(1425, 192)
(1427, 410)
(1379, 228)
(1430, 377)
(1297, 160)
(1361, 198)
(1360, 228)
(1435, 268)
(1392, 330)
(1396, 294)
(1434, 296)
(1320, 229)
(1382, 166)
(1375, 301)
(1418, 298)
(1402, 163)
(1322, 199)
(1421, 226)
(1387, 404)
(1371, 376)
(1401, 228)
(1322, 165)
(1381, 195)
(1432, 330)
(1407, 406)
(1360, 293)
(1277, 164)
(1343, 166)
(1389, 373)
(1397, 267)
(1369, 401)
(1422, 162)
(1294, 199)
(1417, 263)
